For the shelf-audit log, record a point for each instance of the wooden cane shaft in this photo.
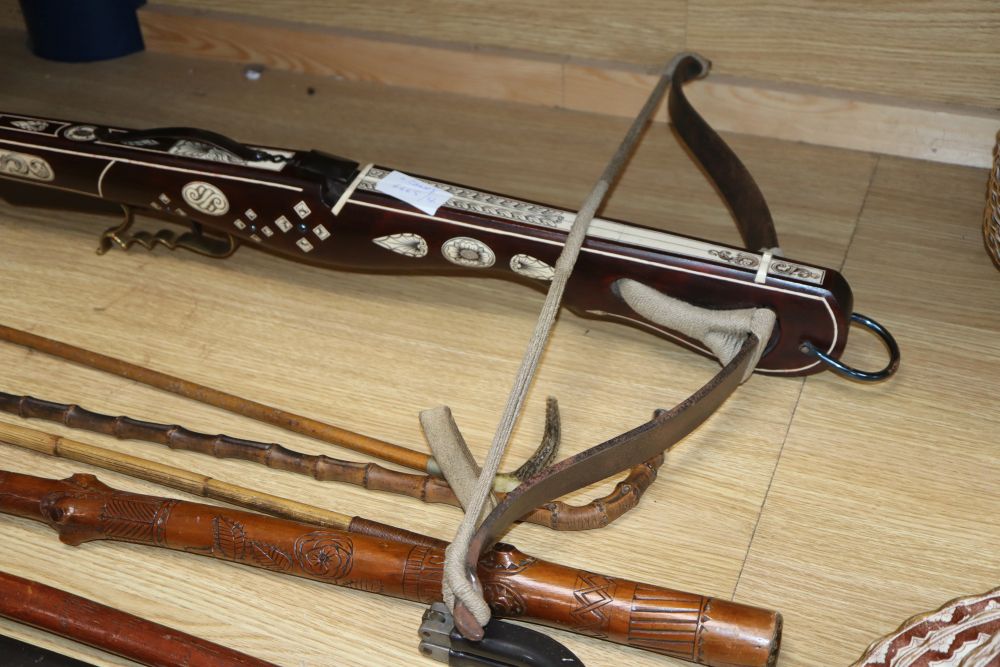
(556, 515)
(176, 478)
(109, 629)
(220, 399)
(684, 625)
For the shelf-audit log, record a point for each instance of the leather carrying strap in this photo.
(667, 427)
(663, 431)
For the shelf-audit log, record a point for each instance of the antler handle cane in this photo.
(683, 625)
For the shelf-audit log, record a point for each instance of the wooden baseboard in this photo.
(812, 115)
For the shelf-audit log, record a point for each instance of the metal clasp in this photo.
(503, 644)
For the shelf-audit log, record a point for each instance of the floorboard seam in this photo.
(861, 212)
(798, 398)
(767, 491)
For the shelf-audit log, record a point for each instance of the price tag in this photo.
(413, 191)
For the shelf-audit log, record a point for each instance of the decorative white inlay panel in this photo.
(250, 214)
(205, 197)
(239, 224)
(321, 232)
(466, 251)
(409, 245)
(156, 205)
(81, 133)
(164, 198)
(304, 244)
(256, 238)
(267, 231)
(30, 125)
(283, 224)
(508, 208)
(24, 165)
(302, 209)
(532, 267)
(203, 151)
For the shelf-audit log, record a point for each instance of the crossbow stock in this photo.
(332, 212)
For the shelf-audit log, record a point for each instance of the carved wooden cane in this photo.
(682, 625)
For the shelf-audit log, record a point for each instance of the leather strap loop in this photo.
(663, 431)
(666, 428)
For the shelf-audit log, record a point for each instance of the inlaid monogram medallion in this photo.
(205, 197)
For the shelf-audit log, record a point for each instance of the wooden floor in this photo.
(847, 507)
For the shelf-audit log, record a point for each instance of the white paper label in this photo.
(414, 192)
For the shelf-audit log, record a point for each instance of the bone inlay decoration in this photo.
(406, 244)
(24, 165)
(30, 125)
(205, 197)
(202, 151)
(749, 260)
(465, 251)
(498, 206)
(532, 267)
(81, 133)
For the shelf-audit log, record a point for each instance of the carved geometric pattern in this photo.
(504, 559)
(136, 519)
(422, 574)
(503, 599)
(592, 592)
(664, 623)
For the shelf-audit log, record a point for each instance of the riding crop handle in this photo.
(682, 625)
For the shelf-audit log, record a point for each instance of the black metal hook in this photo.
(847, 371)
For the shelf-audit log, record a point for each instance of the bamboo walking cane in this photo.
(313, 428)
(557, 515)
(201, 485)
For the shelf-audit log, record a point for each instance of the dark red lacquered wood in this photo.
(257, 198)
(109, 629)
